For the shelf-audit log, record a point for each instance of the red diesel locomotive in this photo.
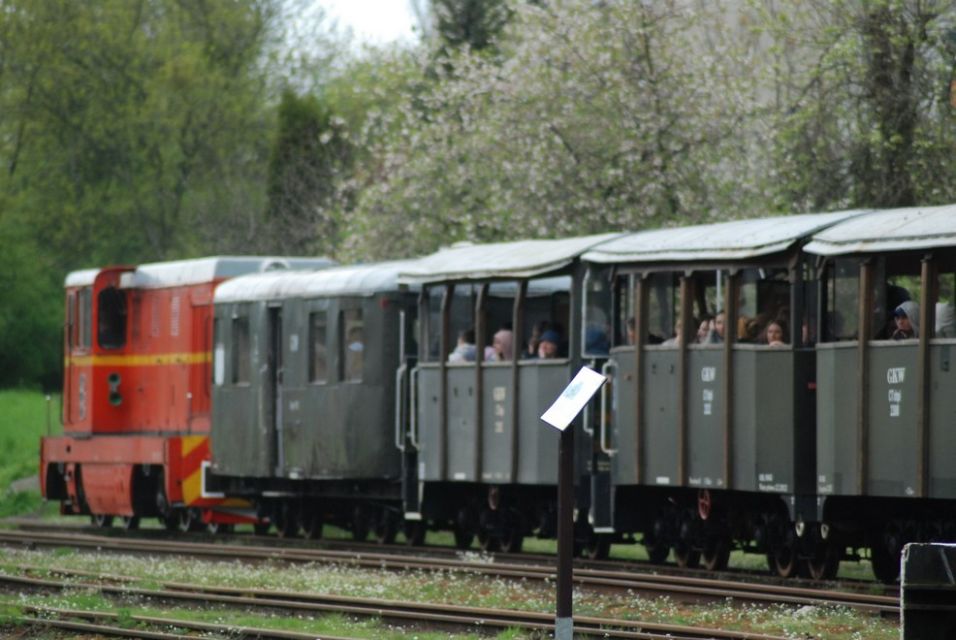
(136, 393)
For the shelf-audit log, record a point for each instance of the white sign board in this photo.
(577, 394)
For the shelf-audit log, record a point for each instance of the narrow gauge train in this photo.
(136, 393)
(335, 400)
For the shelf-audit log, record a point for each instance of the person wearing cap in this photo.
(906, 316)
(548, 345)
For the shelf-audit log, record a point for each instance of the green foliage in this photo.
(310, 153)
(472, 23)
(23, 419)
(865, 116)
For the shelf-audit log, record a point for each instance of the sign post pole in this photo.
(564, 622)
(560, 416)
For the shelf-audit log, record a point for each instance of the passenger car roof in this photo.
(500, 260)
(177, 273)
(353, 280)
(735, 240)
(889, 230)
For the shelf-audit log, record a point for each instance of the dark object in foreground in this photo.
(928, 593)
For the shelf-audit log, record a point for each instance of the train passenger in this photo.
(596, 342)
(717, 334)
(907, 321)
(774, 334)
(945, 320)
(536, 332)
(465, 349)
(548, 346)
(705, 328)
(501, 346)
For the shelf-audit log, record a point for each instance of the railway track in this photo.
(402, 613)
(682, 587)
(370, 548)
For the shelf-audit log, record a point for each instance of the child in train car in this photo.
(906, 317)
(548, 345)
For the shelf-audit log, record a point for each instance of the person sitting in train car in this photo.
(548, 345)
(717, 332)
(465, 350)
(596, 342)
(895, 296)
(907, 321)
(531, 351)
(945, 320)
(502, 346)
(705, 328)
(774, 334)
(674, 341)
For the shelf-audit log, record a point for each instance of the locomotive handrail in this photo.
(602, 441)
(399, 422)
(413, 408)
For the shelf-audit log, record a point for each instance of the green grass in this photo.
(23, 420)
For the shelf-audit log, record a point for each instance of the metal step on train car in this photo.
(136, 393)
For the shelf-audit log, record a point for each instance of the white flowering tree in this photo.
(595, 116)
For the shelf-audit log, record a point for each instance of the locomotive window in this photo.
(841, 301)
(318, 356)
(84, 332)
(111, 318)
(70, 319)
(353, 346)
(241, 355)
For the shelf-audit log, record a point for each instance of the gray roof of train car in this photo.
(889, 230)
(177, 273)
(519, 259)
(735, 240)
(353, 280)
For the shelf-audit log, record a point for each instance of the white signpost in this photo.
(560, 415)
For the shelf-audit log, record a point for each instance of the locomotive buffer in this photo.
(560, 415)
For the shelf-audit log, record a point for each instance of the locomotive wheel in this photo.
(512, 540)
(360, 524)
(824, 563)
(488, 542)
(414, 533)
(129, 522)
(185, 520)
(686, 557)
(312, 525)
(261, 528)
(385, 528)
(716, 554)
(886, 565)
(287, 521)
(218, 528)
(596, 547)
(463, 538)
(783, 561)
(101, 520)
(657, 551)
